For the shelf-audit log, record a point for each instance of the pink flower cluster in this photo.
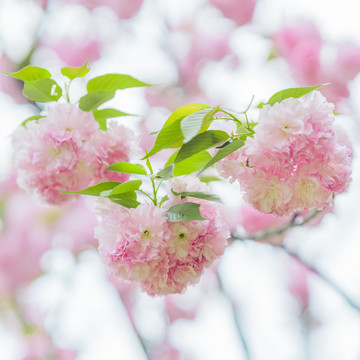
(296, 161)
(66, 151)
(164, 257)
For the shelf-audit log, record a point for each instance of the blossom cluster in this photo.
(142, 245)
(67, 151)
(295, 161)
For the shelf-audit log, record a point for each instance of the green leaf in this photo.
(171, 158)
(163, 199)
(125, 195)
(192, 163)
(207, 179)
(198, 195)
(167, 137)
(101, 116)
(192, 124)
(292, 92)
(42, 90)
(187, 211)
(170, 136)
(127, 168)
(113, 82)
(93, 100)
(185, 167)
(223, 152)
(30, 73)
(96, 190)
(123, 188)
(34, 117)
(75, 72)
(109, 113)
(128, 203)
(200, 143)
(185, 110)
(166, 173)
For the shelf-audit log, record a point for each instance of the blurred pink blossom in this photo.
(23, 241)
(75, 53)
(8, 84)
(241, 11)
(301, 44)
(40, 346)
(175, 311)
(28, 229)
(124, 9)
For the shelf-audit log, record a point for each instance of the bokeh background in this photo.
(258, 302)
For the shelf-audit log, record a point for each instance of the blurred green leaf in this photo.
(30, 73)
(93, 100)
(198, 195)
(194, 123)
(201, 142)
(128, 168)
(223, 152)
(96, 190)
(75, 72)
(113, 82)
(42, 90)
(31, 118)
(291, 93)
(187, 211)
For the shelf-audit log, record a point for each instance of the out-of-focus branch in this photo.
(262, 235)
(234, 310)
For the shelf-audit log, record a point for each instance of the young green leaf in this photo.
(42, 90)
(185, 167)
(201, 142)
(292, 92)
(123, 188)
(31, 118)
(75, 72)
(207, 179)
(171, 158)
(113, 82)
(96, 190)
(185, 110)
(109, 114)
(198, 195)
(167, 137)
(126, 199)
(194, 123)
(128, 203)
(170, 136)
(223, 152)
(101, 116)
(192, 163)
(124, 195)
(93, 100)
(187, 211)
(166, 173)
(30, 73)
(163, 199)
(128, 168)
